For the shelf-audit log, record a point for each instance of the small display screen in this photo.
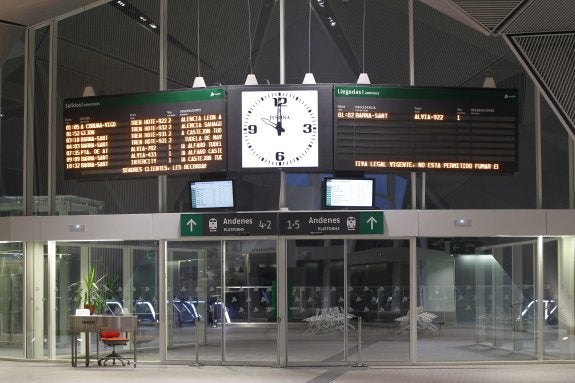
(348, 193)
(212, 194)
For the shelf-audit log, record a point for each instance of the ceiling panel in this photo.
(32, 12)
(539, 16)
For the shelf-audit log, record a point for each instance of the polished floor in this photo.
(33, 372)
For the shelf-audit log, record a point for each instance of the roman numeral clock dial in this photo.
(280, 129)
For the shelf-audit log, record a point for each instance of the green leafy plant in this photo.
(90, 293)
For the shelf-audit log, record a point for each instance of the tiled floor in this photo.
(33, 372)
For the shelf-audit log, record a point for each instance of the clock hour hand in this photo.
(277, 126)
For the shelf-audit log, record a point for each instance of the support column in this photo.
(28, 139)
(53, 126)
(34, 265)
(163, 85)
(413, 300)
(282, 302)
(566, 299)
(538, 167)
(51, 298)
(481, 309)
(497, 298)
(202, 294)
(539, 295)
(128, 277)
(517, 297)
(163, 293)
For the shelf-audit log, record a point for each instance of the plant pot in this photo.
(92, 308)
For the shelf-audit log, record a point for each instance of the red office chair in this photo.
(113, 338)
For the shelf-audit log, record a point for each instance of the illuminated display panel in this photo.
(212, 194)
(348, 193)
(381, 129)
(145, 134)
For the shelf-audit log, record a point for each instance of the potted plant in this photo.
(90, 293)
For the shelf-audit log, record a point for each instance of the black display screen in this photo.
(382, 129)
(145, 134)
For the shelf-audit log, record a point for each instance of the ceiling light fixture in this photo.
(363, 77)
(489, 82)
(88, 91)
(251, 79)
(309, 78)
(199, 80)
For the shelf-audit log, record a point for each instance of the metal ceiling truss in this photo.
(542, 36)
(550, 61)
(490, 14)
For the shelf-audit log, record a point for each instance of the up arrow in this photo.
(191, 224)
(372, 221)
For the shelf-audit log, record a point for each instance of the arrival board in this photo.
(457, 130)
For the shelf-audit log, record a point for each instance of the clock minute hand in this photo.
(277, 127)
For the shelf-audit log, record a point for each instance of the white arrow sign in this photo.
(191, 224)
(372, 221)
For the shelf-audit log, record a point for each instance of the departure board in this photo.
(145, 134)
(381, 129)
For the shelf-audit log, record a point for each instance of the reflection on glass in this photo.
(477, 300)
(11, 304)
(194, 301)
(378, 293)
(250, 280)
(127, 278)
(316, 301)
(558, 308)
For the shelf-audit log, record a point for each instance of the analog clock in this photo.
(279, 129)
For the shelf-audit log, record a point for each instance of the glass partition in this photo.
(378, 293)
(11, 300)
(11, 119)
(194, 323)
(249, 312)
(126, 275)
(316, 301)
(558, 300)
(476, 300)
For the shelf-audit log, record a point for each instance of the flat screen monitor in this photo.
(348, 193)
(212, 194)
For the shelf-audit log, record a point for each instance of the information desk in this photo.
(96, 323)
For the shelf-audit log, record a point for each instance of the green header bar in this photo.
(188, 95)
(423, 93)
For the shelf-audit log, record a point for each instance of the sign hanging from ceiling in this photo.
(458, 130)
(145, 134)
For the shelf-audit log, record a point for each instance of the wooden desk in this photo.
(95, 324)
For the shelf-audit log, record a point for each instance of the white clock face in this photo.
(280, 129)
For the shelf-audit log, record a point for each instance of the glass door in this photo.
(248, 307)
(317, 316)
(194, 300)
(378, 294)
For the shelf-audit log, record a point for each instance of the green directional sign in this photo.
(228, 224)
(349, 222)
(371, 222)
(191, 225)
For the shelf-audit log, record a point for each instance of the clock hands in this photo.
(279, 120)
(273, 125)
(277, 125)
